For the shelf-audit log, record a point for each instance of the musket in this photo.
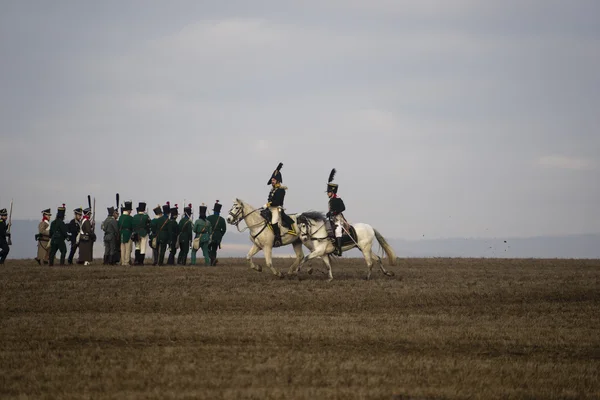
(117, 206)
(9, 240)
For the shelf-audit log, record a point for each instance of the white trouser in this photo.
(338, 220)
(275, 215)
(141, 244)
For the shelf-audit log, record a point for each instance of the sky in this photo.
(449, 118)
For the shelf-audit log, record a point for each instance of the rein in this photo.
(243, 218)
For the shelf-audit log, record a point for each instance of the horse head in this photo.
(236, 213)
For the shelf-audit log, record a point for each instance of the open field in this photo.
(442, 328)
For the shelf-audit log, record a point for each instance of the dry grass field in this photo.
(442, 328)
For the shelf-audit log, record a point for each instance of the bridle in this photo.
(239, 216)
(307, 223)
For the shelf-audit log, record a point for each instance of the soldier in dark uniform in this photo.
(173, 231)
(163, 234)
(4, 234)
(185, 235)
(153, 236)
(110, 226)
(275, 202)
(141, 227)
(86, 239)
(58, 234)
(74, 228)
(336, 208)
(219, 228)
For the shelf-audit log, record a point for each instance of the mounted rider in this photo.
(336, 208)
(275, 202)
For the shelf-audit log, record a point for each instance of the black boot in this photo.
(142, 257)
(277, 240)
(136, 259)
(339, 246)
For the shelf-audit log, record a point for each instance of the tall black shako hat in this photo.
(141, 207)
(174, 211)
(167, 208)
(157, 210)
(128, 206)
(60, 211)
(203, 211)
(188, 210)
(276, 174)
(111, 211)
(332, 187)
(217, 207)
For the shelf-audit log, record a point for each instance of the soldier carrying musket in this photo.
(4, 235)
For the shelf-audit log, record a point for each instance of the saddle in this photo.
(286, 221)
(346, 239)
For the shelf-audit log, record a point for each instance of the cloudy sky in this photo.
(447, 118)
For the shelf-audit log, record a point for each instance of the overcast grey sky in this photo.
(448, 118)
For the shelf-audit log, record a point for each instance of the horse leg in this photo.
(327, 261)
(381, 267)
(255, 249)
(366, 250)
(318, 252)
(299, 255)
(269, 261)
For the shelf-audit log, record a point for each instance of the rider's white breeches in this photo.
(339, 220)
(274, 215)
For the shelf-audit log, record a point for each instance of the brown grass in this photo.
(442, 328)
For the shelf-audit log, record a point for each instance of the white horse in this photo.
(262, 237)
(313, 234)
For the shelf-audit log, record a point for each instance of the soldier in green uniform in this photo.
(153, 236)
(126, 229)
(336, 208)
(219, 228)
(275, 202)
(162, 233)
(141, 227)
(58, 233)
(202, 230)
(4, 234)
(185, 235)
(173, 232)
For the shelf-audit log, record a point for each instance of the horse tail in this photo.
(386, 247)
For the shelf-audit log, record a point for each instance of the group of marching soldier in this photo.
(124, 232)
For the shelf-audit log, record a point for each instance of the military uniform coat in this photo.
(276, 196)
(3, 232)
(185, 230)
(58, 232)
(110, 226)
(172, 230)
(336, 207)
(43, 248)
(141, 224)
(86, 244)
(218, 228)
(159, 229)
(202, 229)
(125, 227)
